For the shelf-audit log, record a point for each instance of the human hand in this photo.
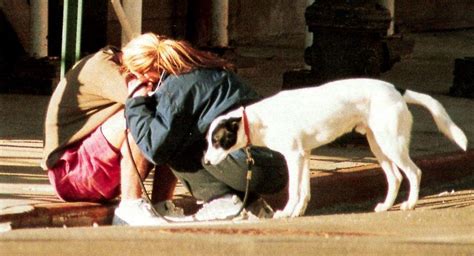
(137, 87)
(141, 85)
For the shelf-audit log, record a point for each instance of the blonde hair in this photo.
(151, 52)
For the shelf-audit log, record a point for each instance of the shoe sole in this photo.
(117, 221)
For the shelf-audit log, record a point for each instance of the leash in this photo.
(142, 185)
(248, 177)
(250, 163)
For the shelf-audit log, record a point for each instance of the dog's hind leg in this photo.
(413, 174)
(397, 151)
(394, 177)
(298, 186)
(393, 137)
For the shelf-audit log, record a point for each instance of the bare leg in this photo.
(130, 182)
(114, 131)
(164, 183)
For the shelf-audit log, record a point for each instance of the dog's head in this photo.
(225, 136)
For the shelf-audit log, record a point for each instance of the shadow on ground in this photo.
(456, 194)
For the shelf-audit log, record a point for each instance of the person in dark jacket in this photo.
(169, 122)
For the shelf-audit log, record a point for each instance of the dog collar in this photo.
(246, 127)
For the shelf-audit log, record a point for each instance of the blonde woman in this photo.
(169, 123)
(84, 152)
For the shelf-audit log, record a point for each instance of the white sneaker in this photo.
(220, 208)
(168, 209)
(136, 213)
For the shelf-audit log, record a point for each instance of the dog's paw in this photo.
(381, 208)
(407, 206)
(280, 215)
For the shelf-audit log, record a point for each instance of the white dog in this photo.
(294, 122)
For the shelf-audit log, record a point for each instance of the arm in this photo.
(157, 126)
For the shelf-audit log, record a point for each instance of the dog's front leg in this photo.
(304, 188)
(298, 187)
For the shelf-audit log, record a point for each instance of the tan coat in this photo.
(90, 93)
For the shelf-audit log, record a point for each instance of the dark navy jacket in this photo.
(170, 127)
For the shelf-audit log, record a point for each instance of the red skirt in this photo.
(89, 170)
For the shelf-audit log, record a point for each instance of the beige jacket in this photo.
(91, 92)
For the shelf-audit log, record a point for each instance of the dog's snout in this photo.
(206, 160)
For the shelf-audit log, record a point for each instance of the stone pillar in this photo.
(308, 39)
(349, 40)
(219, 23)
(390, 5)
(39, 28)
(133, 11)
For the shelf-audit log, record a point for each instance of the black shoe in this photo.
(260, 209)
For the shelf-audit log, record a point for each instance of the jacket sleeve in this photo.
(157, 126)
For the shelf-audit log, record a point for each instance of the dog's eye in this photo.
(215, 143)
(215, 140)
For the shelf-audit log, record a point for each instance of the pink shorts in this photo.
(89, 170)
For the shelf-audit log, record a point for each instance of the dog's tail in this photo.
(441, 117)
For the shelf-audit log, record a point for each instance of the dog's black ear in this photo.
(224, 134)
(232, 124)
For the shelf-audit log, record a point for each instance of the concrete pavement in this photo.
(345, 177)
(343, 234)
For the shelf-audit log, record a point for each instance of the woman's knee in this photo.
(113, 129)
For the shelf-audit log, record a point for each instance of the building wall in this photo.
(430, 15)
(263, 22)
(18, 14)
(159, 16)
(268, 22)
